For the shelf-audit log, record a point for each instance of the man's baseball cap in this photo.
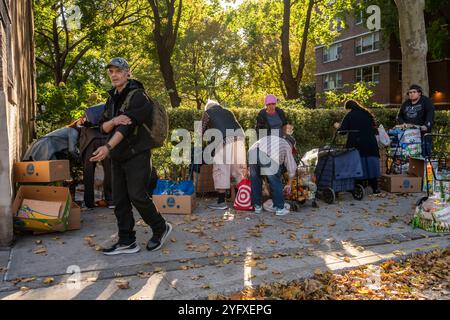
(120, 63)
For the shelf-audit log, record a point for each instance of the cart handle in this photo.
(436, 135)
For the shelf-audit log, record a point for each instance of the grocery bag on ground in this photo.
(432, 215)
(243, 200)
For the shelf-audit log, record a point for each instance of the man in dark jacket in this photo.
(129, 147)
(90, 140)
(418, 110)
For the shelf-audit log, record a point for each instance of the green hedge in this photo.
(312, 127)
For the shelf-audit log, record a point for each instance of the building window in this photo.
(332, 81)
(339, 24)
(368, 43)
(359, 18)
(332, 53)
(368, 74)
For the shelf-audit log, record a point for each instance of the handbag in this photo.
(243, 200)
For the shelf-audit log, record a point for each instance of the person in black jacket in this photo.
(418, 110)
(362, 120)
(271, 117)
(90, 140)
(129, 148)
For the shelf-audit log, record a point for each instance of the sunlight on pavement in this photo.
(149, 289)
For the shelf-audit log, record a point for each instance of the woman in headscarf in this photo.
(364, 140)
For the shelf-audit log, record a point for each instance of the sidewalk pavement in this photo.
(207, 254)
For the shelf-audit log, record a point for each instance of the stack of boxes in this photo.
(42, 204)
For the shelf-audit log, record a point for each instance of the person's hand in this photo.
(100, 154)
(336, 125)
(423, 128)
(81, 121)
(287, 189)
(121, 120)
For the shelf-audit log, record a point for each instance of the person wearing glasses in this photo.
(418, 110)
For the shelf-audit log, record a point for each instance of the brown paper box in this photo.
(42, 171)
(205, 179)
(400, 183)
(172, 204)
(41, 219)
(416, 167)
(74, 217)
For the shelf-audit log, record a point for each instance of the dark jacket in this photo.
(421, 113)
(364, 141)
(223, 120)
(136, 138)
(54, 146)
(87, 135)
(263, 123)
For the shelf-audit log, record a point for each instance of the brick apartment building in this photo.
(358, 54)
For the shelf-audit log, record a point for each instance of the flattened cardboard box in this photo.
(41, 208)
(74, 222)
(173, 204)
(205, 179)
(400, 183)
(42, 171)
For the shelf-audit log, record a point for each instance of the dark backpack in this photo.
(159, 128)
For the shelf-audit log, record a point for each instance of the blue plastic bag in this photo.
(174, 188)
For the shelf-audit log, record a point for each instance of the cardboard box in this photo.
(383, 161)
(416, 167)
(41, 208)
(173, 204)
(205, 179)
(74, 222)
(42, 171)
(400, 183)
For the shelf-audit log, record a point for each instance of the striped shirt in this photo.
(278, 150)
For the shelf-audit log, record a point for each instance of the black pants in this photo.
(132, 184)
(89, 174)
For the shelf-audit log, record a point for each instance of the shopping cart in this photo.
(337, 170)
(403, 147)
(433, 210)
(303, 186)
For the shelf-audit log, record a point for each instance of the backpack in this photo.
(159, 128)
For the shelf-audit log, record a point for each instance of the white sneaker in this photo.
(258, 209)
(282, 212)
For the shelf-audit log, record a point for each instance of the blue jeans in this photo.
(275, 184)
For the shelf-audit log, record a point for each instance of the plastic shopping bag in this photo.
(383, 137)
(243, 200)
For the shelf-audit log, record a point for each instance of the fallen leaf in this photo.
(157, 269)
(122, 284)
(206, 286)
(24, 289)
(38, 241)
(41, 251)
(173, 240)
(48, 280)
(28, 279)
(272, 242)
(347, 259)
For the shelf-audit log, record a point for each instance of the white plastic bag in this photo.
(383, 137)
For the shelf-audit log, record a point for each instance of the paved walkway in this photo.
(207, 254)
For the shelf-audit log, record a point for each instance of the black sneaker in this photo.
(156, 242)
(119, 248)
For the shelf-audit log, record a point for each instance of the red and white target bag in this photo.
(243, 200)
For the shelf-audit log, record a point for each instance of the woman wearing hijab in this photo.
(364, 140)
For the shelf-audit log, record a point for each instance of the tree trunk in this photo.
(288, 79)
(166, 69)
(302, 55)
(413, 39)
(165, 34)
